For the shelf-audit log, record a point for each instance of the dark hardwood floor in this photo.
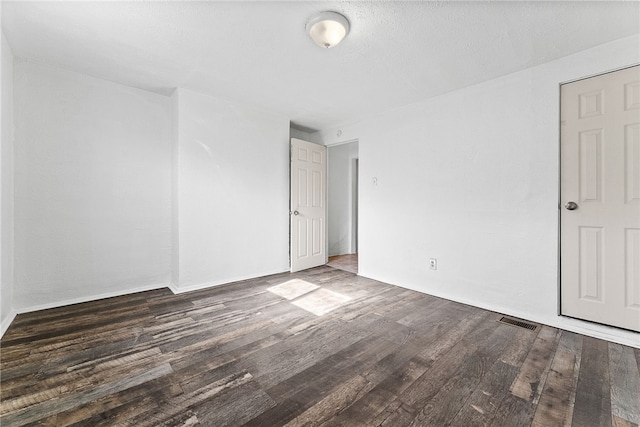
(318, 348)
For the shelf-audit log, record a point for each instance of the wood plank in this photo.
(518, 348)
(513, 411)
(436, 343)
(421, 391)
(234, 407)
(361, 412)
(481, 407)
(451, 398)
(122, 406)
(32, 413)
(397, 413)
(530, 381)
(332, 405)
(176, 405)
(625, 383)
(386, 363)
(558, 395)
(361, 356)
(278, 363)
(308, 387)
(593, 394)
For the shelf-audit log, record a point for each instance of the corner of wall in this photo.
(173, 287)
(6, 185)
(314, 137)
(175, 190)
(6, 322)
(181, 289)
(340, 134)
(95, 297)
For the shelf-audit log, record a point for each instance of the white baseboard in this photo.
(172, 286)
(63, 303)
(615, 335)
(608, 333)
(176, 289)
(4, 325)
(603, 332)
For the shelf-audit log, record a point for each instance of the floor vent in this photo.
(519, 323)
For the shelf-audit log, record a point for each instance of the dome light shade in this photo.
(327, 29)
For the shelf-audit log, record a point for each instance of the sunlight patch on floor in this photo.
(293, 288)
(322, 301)
(310, 297)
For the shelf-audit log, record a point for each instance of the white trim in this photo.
(348, 141)
(9, 320)
(608, 333)
(176, 289)
(90, 298)
(602, 73)
(171, 286)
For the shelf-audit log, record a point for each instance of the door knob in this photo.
(571, 206)
(296, 213)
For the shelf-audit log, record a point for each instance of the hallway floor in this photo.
(347, 262)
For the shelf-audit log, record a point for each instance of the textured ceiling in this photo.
(258, 53)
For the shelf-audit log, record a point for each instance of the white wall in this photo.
(120, 190)
(471, 178)
(92, 187)
(341, 195)
(6, 202)
(233, 179)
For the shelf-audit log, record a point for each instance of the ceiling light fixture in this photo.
(327, 29)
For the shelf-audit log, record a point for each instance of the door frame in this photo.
(355, 202)
(356, 231)
(559, 206)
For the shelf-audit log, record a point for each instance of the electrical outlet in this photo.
(433, 264)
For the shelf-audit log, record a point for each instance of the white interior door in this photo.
(600, 199)
(308, 204)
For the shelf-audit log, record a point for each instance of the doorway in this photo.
(600, 199)
(342, 220)
(307, 233)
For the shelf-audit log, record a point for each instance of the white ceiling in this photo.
(258, 53)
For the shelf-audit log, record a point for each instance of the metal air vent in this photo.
(518, 323)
